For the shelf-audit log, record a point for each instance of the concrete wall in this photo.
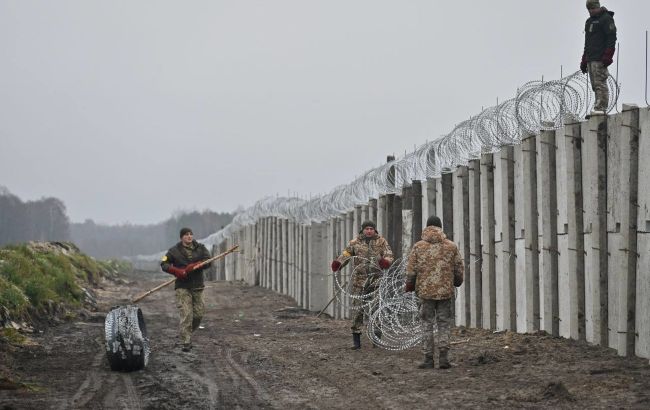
(554, 232)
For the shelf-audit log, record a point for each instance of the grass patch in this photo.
(36, 274)
(12, 336)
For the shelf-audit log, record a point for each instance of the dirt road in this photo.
(258, 351)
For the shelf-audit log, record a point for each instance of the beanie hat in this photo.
(368, 224)
(593, 4)
(185, 231)
(434, 221)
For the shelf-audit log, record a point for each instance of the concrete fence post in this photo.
(642, 322)
(320, 286)
(406, 218)
(306, 276)
(445, 204)
(461, 237)
(332, 253)
(571, 264)
(594, 183)
(429, 206)
(475, 249)
(548, 213)
(622, 201)
(488, 218)
(372, 211)
(416, 194)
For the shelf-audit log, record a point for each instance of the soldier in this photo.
(372, 253)
(181, 261)
(434, 268)
(600, 44)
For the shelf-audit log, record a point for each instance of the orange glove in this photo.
(178, 272)
(192, 266)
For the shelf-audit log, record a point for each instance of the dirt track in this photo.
(258, 351)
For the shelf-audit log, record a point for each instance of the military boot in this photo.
(444, 360)
(427, 363)
(356, 339)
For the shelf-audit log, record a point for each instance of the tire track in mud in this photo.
(227, 383)
(90, 385)
(202, 378)
(259, 392)
(132, 398)
(102, 386)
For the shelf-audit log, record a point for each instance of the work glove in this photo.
(178, 272)
(336, 265)
(384, 263)
(608, 57)
(192, 266)
(583, 64)
(410, 285)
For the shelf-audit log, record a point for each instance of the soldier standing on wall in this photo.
(372, 254)
(181, 261)
(434, 268)
(600, 44)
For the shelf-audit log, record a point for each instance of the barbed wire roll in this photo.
(537, 106)
(127, 345)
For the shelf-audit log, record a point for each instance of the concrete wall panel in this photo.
(642, 323)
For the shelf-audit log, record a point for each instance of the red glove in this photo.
(336, 265)
(178, 272)
(384, 263)
(189, 268)
(410, 285)
(608, 56)
(583, 64)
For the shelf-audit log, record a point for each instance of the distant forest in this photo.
(114, 241)
(46, 220)
(42, 220)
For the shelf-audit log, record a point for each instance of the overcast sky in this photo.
(129, 110)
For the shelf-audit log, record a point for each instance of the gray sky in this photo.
(129, 110)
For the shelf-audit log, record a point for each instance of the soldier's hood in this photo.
(433, 234)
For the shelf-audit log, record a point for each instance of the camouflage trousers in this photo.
(190, 307)
(359, 313)
(598, 74)
(437, 319)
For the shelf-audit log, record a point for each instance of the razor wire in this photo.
(537, 106)
(392, 316)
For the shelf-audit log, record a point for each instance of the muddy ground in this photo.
(258, 351)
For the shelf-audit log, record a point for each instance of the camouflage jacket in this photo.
(368, 252)
(435, 263)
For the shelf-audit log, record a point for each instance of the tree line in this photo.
(46, 219)
(42, 220)
(114, 241)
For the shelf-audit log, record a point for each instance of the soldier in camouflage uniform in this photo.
(434, 268)
(372, 254)
(181, 261)
(600, 44)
